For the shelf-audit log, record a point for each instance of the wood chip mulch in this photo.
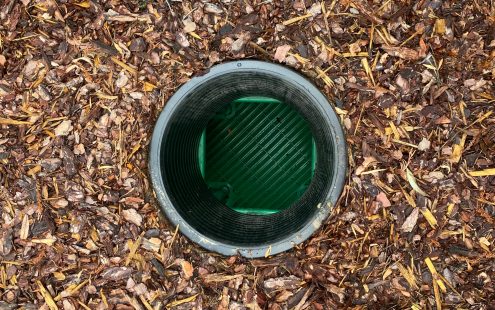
(82, 82)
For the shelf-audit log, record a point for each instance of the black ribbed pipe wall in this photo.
(185, 185)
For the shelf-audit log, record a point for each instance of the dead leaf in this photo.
(413, 183)
(485, 244)
(457, 150)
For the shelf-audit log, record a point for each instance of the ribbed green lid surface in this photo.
(257, 155)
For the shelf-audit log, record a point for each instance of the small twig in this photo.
(259, 48)
(173, 237)
(359, 120)
(296, 19)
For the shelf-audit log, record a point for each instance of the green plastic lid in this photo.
(257, 155)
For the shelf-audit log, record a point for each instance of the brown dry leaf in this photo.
(434, 274)
(283, 296)
(387, 273)
(124, 65)
(367, 69)
(133, 247)
(147, 87)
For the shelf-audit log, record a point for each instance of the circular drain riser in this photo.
(248, 158)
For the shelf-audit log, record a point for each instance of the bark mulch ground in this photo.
(81, 83)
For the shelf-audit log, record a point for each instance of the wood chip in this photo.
(411, 221)
(281, 52)
(401, 52)
(24, 228)
(132, 216)
(64, 128)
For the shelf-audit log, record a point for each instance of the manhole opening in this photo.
(257, 155)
